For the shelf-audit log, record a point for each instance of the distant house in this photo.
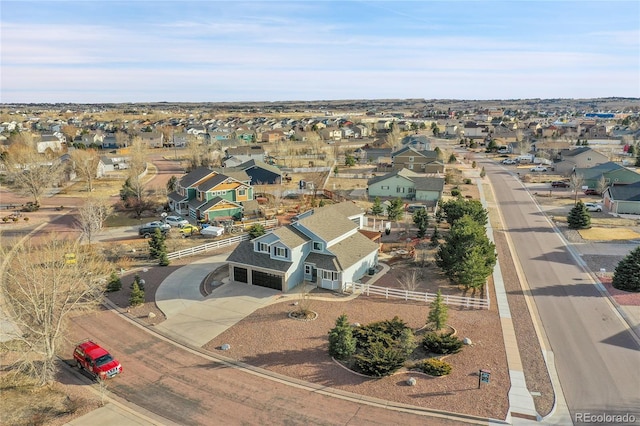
(418, 161)
(623, 199)
(259, 172)
(272, 136)
(105, 165)
(418, 142)
(245, 153)
(151, 139)
(308, 250)
(208, 195)
(610, 173)
(407, 184)
(582, 157)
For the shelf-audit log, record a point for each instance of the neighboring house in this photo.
(623, 199)
(259, 172)
(407, 184)
(180, 139)
(48, 142)
(613, 174)
(246, 153)
(418, 142)
(583, 157)
(474, 130)
(207, 195)
(272, 136)
(105, 165)
(417, 161)
(308, 250)
(151, 139)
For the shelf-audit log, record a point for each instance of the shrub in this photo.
(342, 345)
(114, 283)
(467, 181)
(26, 219)
(455, 192)
(379, 361)
(442, 344)
(434, 367)
(137, 295)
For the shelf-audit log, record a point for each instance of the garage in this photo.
(240, 275)
(264, 279)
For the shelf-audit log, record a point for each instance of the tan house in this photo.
(417, 161)
(578, 158)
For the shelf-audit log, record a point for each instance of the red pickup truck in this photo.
(96, 360)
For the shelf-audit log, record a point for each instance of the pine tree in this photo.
(342, 344)
(114, 283)
(421, 220)
(627, 274)
(137, 281)
(579, 217)
(155, 243)
(377, 208)
(137, 295)
(438, 312)
(483, 173)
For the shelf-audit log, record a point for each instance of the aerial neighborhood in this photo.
(366, 246)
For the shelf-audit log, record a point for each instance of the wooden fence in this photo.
(367, 289)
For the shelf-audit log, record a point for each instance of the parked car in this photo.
(149, 229)
(538, 169)
(95, 360)
(560, 184)
(176, 221)
(188, 230)
(158, 224)
(591, 192)
(509, 161)
(593, 207)
(412, 208)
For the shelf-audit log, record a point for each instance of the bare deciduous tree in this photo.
(28, 172)
(85, 163)
(576, 181)
(409, 280)
(92, 215)
(41, 289)
(601, 185)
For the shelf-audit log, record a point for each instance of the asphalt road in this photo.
(189, 389)
(597, 359)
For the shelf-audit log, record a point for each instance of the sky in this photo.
(233, 51)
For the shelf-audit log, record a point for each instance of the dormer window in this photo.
(317, 246)
(280, 252)
(263, 247)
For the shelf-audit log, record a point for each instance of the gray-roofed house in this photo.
(323, 247)
(623, 199)
(259, 172)
(581, 158)
(612, 174)
(407, 184)
(209, 195)
(424, 161)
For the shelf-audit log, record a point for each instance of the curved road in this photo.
(188, 388)
(596, 357)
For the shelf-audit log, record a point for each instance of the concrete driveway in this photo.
(195, 319)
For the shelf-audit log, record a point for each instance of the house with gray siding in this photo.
(623, 199)
(323, 246)
(407, 184)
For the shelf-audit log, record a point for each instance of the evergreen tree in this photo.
(438, 312)
(171, 184)
(467, 256)
(483, 173)
(127, 191)
(257, 230)
(435, 237)
(579, 217)
(137, 281)
(474, 165)
(114, 283)
(156, 243)
(627, 274)
(452, 159)
(421, 220)
(349, 160)
(454, 209)
(439, 154)
(395, 209)
(342, 344)
(137, 295)
(377, 208)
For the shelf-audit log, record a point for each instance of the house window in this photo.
(412, 190)
(410, 166)
(263, 247)
(330, 275)
(400, 189)
(411, 159)
(384, 187)
(280, 252)
(317, 246)
(242, 192)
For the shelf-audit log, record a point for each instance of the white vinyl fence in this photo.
(367, 289)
